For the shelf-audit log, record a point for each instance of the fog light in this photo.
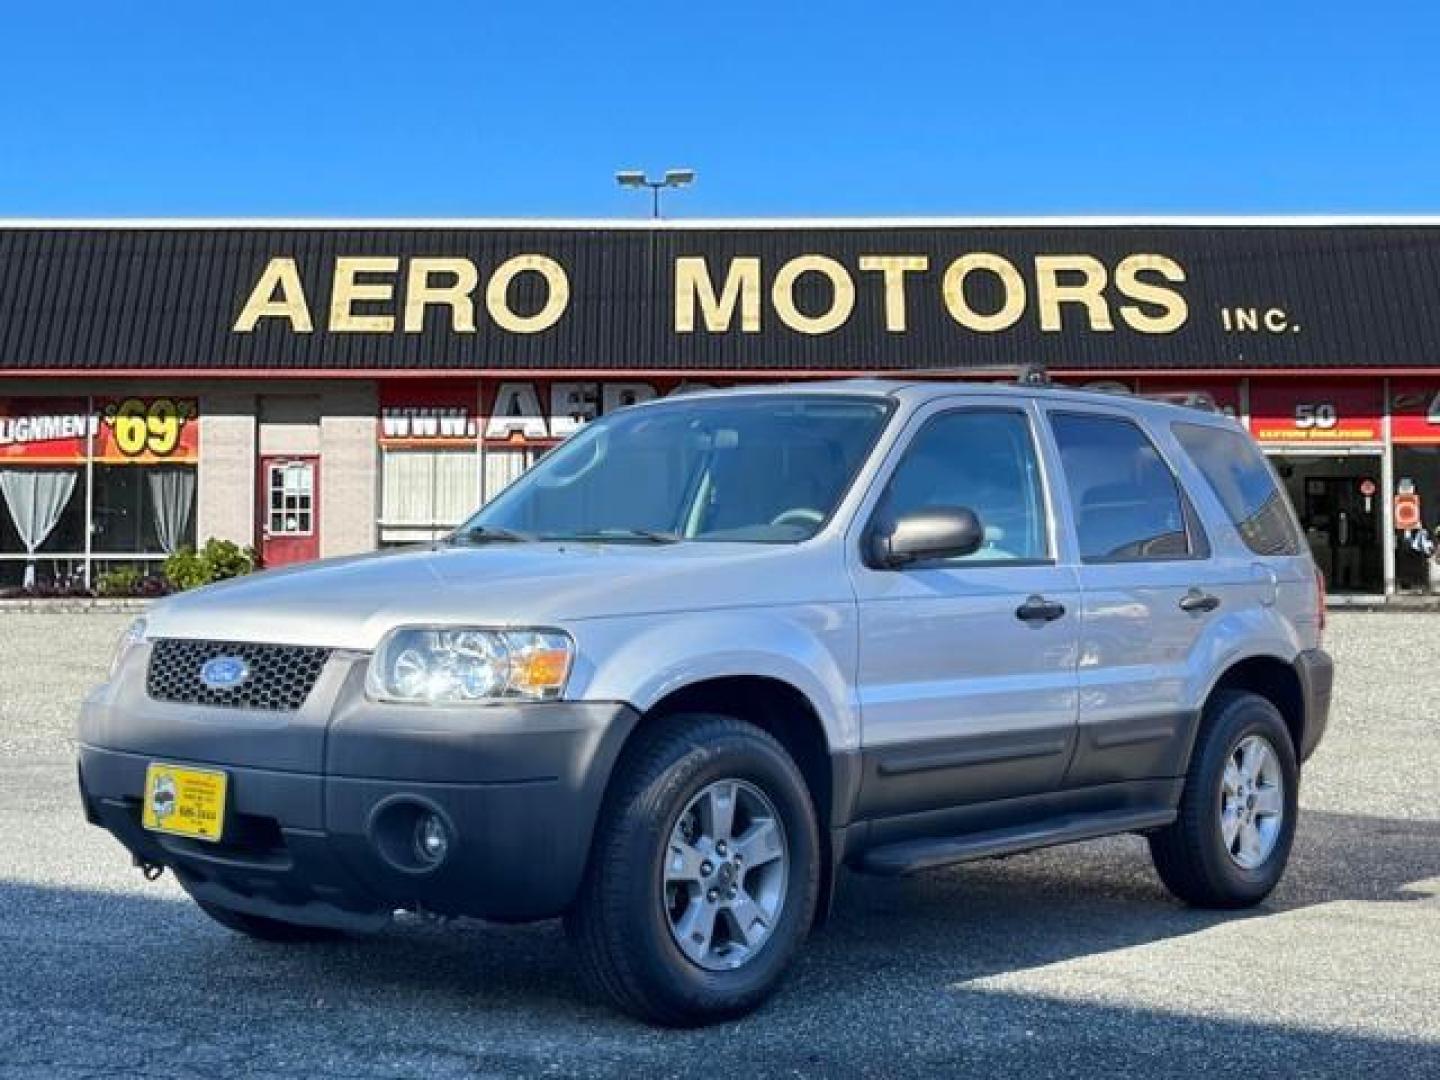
(432, 839)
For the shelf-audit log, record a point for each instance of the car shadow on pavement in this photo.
(117, 981)
(1001, 915)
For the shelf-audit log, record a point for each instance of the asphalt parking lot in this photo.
(1070, 962)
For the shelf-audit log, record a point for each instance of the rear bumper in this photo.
(518, 787)
(1317, 678)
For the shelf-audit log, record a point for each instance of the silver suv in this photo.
(715, 648)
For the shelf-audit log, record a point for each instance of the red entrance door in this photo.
(289, 511)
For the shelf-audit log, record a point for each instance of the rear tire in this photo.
(263, 929)
(1230, 843)
(634, 922)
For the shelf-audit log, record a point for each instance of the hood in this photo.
(351, 602)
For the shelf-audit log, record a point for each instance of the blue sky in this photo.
(357, 108)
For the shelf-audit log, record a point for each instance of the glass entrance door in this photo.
(1338, 500)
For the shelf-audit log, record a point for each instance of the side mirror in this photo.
(937, 532)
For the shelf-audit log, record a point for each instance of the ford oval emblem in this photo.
(224, 672)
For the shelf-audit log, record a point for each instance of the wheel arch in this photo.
(786, 713)
(1274, 679)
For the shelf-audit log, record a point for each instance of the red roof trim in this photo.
(674, 373)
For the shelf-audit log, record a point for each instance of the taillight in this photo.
(1320, 601)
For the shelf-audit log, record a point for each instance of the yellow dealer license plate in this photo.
(186, 802)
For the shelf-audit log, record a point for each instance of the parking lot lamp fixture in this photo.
(673, 178)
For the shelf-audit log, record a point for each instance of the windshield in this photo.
(764, 469)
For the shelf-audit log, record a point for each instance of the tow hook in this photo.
(149, 870)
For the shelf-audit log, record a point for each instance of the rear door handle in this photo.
(1038, 609)
(1195, 600)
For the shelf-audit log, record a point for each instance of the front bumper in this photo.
(518, 785)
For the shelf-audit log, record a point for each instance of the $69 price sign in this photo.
(152, 426)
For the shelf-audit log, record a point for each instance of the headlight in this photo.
(134, 634)
(436, 664)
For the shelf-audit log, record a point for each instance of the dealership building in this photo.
(321, 388)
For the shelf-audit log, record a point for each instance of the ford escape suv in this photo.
(715, 648)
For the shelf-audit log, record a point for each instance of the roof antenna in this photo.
(1032, 373)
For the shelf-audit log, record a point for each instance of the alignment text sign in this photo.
(119, 431)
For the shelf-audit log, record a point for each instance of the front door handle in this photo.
(1195, 600)
(1038, 609)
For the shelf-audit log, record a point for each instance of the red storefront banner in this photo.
(1112, 386)
(120, 431)
(429, 414)
(514, 412)
(525, 411)
(45, 431)
(1225, 393)
(1316, 412)
(1415, 411)
(149, 430)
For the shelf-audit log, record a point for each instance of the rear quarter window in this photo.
(1245, 485)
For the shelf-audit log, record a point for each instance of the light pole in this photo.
(673, 178)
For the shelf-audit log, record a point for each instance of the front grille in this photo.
(281, 676)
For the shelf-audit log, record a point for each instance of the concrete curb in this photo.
(74, 605)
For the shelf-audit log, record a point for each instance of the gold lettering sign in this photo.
(1050, 292)
(1173, 310)
(346, 292)
(842, 294)
(497, 295)
(694, 286)
(421, 291)
(894, 268)
(982, 291)
(279, 276)
(1011, 283)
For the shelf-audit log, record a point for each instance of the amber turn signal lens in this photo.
(539, 671)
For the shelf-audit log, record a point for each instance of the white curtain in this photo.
(434, 489)
(502, 468)
(172, 494)
(36, 498)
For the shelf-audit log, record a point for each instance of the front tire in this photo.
(1231, 841)
(704, 874)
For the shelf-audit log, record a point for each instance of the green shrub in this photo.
(121, 581)
(228, 559)
(186, 569)
(217, 560)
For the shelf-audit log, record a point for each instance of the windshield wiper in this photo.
(484, 534)
(650, 536)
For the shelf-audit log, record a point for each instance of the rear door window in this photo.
(1126, 502)
(1241, 479)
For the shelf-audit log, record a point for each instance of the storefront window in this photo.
(504, 465)
(128, 463)
(1417, 473)
(1325, 439)
(143, 509)
(427, 492)
(44, 513)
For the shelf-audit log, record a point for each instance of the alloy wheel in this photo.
(1252, 802)
(725, 874)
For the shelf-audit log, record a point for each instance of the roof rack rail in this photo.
(1030, 373)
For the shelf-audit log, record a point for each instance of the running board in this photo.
(910, 856)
